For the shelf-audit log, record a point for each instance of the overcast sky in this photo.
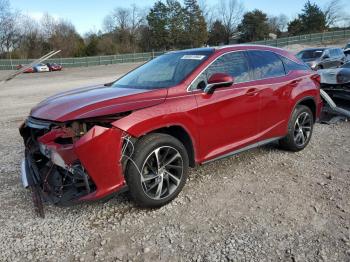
(88, 15)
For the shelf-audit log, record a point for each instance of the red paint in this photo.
(220, 78)
(99, 151)
(229, 119)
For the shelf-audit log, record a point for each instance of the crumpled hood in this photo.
(96, 101)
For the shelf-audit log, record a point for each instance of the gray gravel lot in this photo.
(262, 205)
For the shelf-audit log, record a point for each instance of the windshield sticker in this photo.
(193, 57)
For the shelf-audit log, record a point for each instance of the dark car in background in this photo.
(322, 58)
(347, 51)
(54, 67)
(336, 82)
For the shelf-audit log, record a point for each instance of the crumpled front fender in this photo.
(99, 151)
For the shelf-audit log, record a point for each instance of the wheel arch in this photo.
(183, 136)
(310, 102)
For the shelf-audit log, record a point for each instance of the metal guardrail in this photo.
(302, 39)
(10, 64)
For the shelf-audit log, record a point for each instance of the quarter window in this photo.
(265, 64)
(290, 65)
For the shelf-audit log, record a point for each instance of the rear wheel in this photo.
(300, 129)
(158, 171)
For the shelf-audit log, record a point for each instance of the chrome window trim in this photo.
(234, 51)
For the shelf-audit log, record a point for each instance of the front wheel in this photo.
(300, 129)
(158, 170)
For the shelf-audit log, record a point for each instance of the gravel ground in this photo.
(262, 205)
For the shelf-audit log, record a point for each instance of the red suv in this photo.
(144, 130)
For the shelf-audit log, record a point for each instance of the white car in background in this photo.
(41, 68)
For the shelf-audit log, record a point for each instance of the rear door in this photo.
(228, 118)
(270, 78)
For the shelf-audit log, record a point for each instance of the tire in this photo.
(299, 132)
(160, 183)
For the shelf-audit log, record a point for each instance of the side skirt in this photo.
(235, 152)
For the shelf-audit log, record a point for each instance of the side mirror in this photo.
(325, 57)
(218, 80)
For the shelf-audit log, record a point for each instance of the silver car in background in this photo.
(322, 58)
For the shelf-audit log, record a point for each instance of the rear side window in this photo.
(265, 64)
(290, 65)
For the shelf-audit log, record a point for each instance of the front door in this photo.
(228, 118)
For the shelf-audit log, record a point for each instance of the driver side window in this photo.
(234, 64)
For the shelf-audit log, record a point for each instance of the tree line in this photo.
(167, 25)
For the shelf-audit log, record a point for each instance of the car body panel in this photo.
(106, 145)
(54, 67)
(28, 70)
(329, 58)
(232, 118)
(41, 68)
(96, 101)
(336, 82)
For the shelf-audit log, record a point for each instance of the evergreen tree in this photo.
(254, 26)
(158, 23)
(217, 34)
(311, 20)
(196, 26)
(177, 31)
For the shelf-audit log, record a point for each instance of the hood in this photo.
(96, 101)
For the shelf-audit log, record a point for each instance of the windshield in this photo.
(164, 71)
(310, 54)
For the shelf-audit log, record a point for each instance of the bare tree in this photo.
(121, 17)
(137, 18)
(208, 12)
(9, 30)
(108, 24)
(230, 14)
(47, 24)
(334, 13)
(283, 22)
(278, 24)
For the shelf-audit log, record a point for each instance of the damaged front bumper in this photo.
(66, 170)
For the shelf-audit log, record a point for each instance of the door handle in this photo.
(252, 92)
